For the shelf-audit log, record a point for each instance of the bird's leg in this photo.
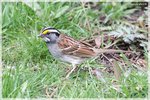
(74, 67)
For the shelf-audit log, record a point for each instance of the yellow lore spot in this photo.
(45, 32)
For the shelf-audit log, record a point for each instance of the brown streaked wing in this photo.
(66, 42)
(70, 46)
(85, 52)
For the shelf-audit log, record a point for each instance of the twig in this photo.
(47, 93)
(112, 44)
(53, 93)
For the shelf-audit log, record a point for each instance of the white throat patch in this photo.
(46, 39)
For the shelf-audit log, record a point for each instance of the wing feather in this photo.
(69, 46)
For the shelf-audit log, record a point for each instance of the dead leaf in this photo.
(117, 70)
(141, 22)
(98, 41)
(98, 74)
(142, 62)
(116, 86)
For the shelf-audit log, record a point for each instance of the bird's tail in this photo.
(99, 51)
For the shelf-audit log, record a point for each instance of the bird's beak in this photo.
(40, 35)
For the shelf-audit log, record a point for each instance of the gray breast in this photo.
(54, 50)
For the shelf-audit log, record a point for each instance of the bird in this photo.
(68, 49)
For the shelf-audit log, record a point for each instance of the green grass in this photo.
(28, 68)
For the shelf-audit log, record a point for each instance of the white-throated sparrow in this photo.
(69, 50)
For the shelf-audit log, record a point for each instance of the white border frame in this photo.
(148, 50)
(0, 50)
(74, 1)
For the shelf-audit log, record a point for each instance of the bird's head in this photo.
(49, 34)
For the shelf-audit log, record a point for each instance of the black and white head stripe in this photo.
(49, 30)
